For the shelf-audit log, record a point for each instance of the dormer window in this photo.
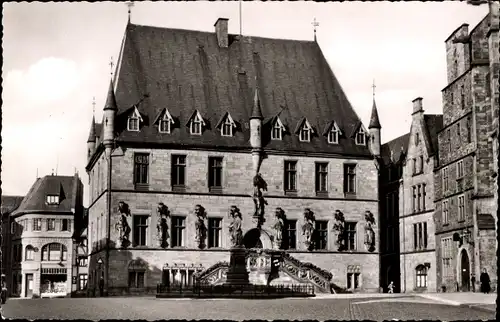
(164, 126)
(277, 130)
(133, 121)
(361, 137)
(164, 121)
(226, 125)
(196, 123)
(333, 134)
(52, 200)
(305, 133)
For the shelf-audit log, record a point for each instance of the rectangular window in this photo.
(425, 235)
(446, 252)
(82, 281)
(51, 224)
(140, 223)
(165, 124)
(458, 130)
(214, 232)
(29, 254)
(445, 179)
(322, 233)
(333, 136)
(353, 280)
(360, 137)
(52, 200)
(469, 130)
(82, 261)
(55, 252)
(304, 135)
(445, 212)
(461, 208)
(37, 224)
(421, 163)
(178, 227)
(423, 196)
(414, 163)
(196, 125)
(291, 229)
(141, 165)
(419, 195)
(215, 173)
(415, 236)
(322, 177)
(290, 176)
(64, 225)
(136, 279)
(277, 130)
(133, 123)
(460, 169)
(227, 127)
(350, 235)
(178, 171)
(349, 178)
(448, 132)
(414, 199)
(13, 227)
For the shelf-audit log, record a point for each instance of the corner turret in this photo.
(91, 141)
(374, 128)
(110, 110)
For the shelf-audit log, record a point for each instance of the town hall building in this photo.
(200, 126)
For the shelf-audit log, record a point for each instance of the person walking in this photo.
(391, 287)
(473, 282)
(101, 286)
(485, 282)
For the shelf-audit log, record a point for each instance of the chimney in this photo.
(221, 32)
(417, 105)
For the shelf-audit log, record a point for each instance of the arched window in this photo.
(136, 273)
(421, 271)
(29, 253)
(54, 252)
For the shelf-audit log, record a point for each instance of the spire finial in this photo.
(111, 64)
(315, 24)
(129, 4)
(93, 106)
(373, 87)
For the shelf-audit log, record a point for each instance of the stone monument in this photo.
(237, 273)
(122, 226)
(162, 225)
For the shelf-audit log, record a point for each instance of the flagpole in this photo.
(240, 18)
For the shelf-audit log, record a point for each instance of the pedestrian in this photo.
(485, 281)
(473, 281)
(391, 287)
(101, 286)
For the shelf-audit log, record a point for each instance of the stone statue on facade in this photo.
(339, 228)
(201, 228)
(308, 228)
(122, 225)
(235, 232)
(259, 185)
(162, 225)
(369, 232)
(279, 226)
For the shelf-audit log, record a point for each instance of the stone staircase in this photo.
(290, 271)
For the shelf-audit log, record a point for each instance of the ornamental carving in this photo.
(369, 232)
(235, 232)
(122, 225)
(201, 227)
(162, 225)
(259, 185)
(339, 228)
(278, 227)
(308, 228)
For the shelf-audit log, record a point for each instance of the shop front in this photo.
(53, 282)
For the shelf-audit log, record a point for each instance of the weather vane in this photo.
(93, 105)
(315, 24)
(373, 87)
(129, 4)
(111, 64)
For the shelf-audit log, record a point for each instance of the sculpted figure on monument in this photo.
(235, 231)
(201, 228)
(369, 232)
(339, 227)
(122, 226)
(259, 185)
(279, 226)
(162, 226)
(308, 228)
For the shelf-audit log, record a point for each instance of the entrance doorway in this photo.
(465, 271)
(29, 286)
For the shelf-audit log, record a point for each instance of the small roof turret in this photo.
(111, 100)
(256, 111)
(92, 134)
(374, 121)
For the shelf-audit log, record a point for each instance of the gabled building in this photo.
(190, 119)
(465, 178)
(41, 231)
(9, 204)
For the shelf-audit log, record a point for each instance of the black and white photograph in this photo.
(250, 160)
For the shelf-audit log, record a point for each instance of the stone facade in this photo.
(463, 180)
(236, 190)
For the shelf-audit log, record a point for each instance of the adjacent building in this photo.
(191, 118)
(465, 176)
(9, 204)
(41, 243)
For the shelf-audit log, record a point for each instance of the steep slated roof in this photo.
(374, 121)
(396, 147)
(184, 71)
(10, 203)
(63, 186)
(433, 124)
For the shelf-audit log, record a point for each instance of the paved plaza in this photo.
(322, 308)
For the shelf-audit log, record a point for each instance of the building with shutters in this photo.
(190, 119)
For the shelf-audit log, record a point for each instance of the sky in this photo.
(57, 57)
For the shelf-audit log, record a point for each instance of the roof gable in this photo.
(196, 116)
(193, 72)
(395, 150)
(226, 118)
(164, 115)
(330, 126)
(304, 124)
